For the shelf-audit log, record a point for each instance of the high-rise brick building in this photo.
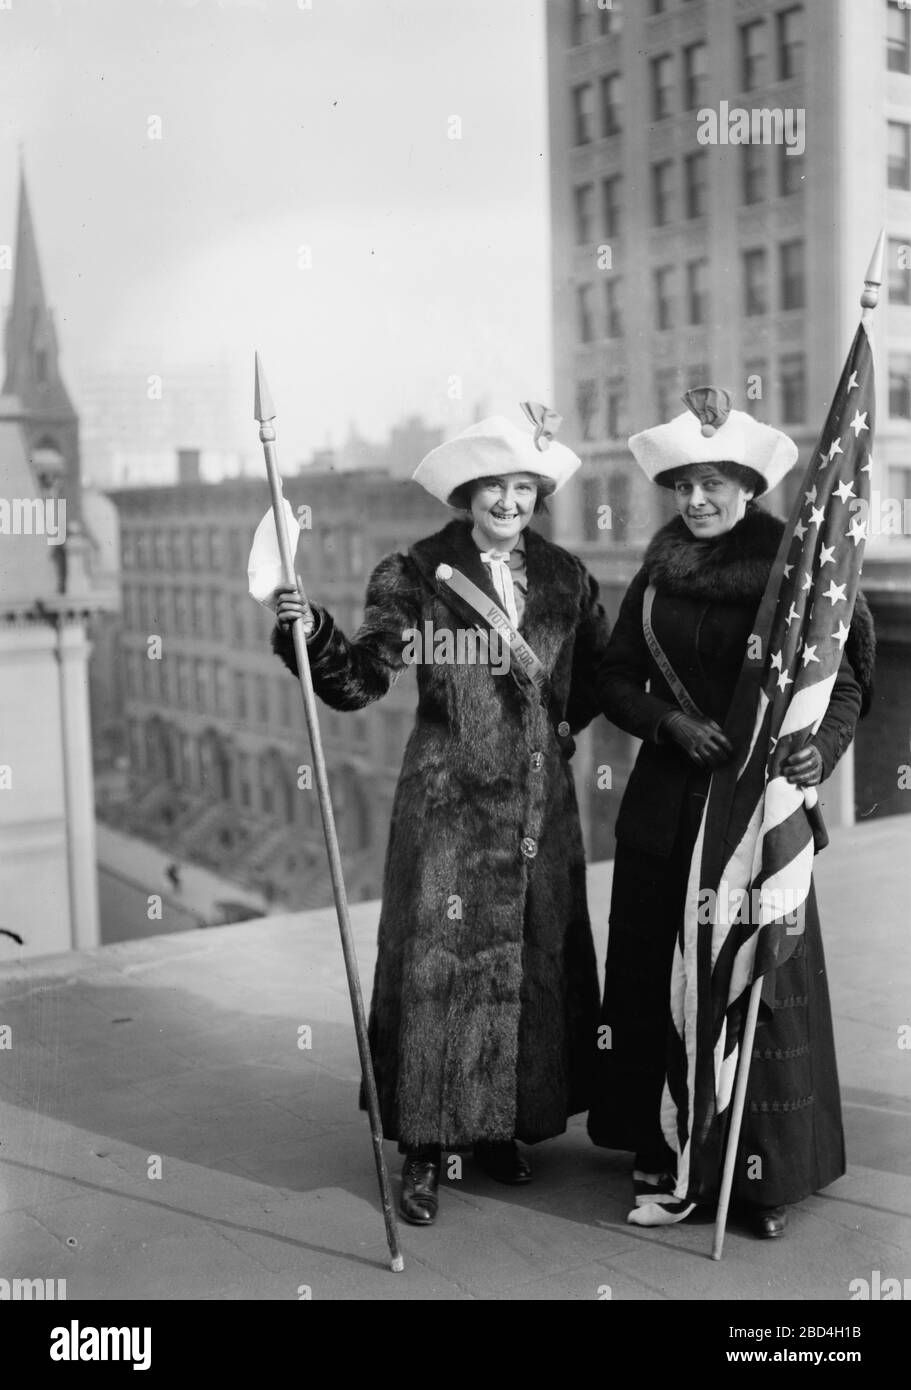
(678, 262)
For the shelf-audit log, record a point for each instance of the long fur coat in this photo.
(484, 1010)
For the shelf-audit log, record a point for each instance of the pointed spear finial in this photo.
(263, 409)
(874, 276)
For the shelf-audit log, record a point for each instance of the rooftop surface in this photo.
(165, 1136)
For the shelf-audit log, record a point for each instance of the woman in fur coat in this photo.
(709, 568)
(485, 999)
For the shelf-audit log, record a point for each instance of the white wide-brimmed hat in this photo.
(710, 432)
(494, 447)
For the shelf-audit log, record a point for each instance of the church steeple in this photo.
(32, 365)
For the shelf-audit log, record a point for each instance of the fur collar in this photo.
(732, 568)
(735, 568)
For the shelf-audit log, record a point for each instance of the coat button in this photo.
(529, 847)
(537, 762)
(563, 729)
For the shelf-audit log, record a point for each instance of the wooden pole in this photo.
(264, 412)
(869, 299)
(740, 1093)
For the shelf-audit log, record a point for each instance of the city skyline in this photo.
(195, 204)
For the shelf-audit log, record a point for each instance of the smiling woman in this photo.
(672, 666)
(713, 497)
(482, 1023)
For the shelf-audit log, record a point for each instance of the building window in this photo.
(200, 615)
(662, 83)
(752, 54)
(899, 167)
(580, 27)
(697, 291)
(202, 685)
(262, 699)
(900, 386)
(790, 43)
(216, 550)
(657, 6)
(142, 550)
(611, 104)
(159, 549)
(585, 324)
(586, 407)
(218, 615)
(662, 173)
(180, 612)
(613, 318)
(753, 170)
(610, 205)
(793, 376)
(618, 499)
(610, 17)
(221, 689)
(662, 279)
(183, 682)
(898, 37)
(266, 796)
(583, 113)
(242, 764)
(792, 275)
(899, 268)
(240, 695)
(238, 626)
(584, 197)
(665, 391)
(695, 75)
(616, 425)
(697, 375)
(696, 181)
(755, 283)
(791, 171)
(178, 550)
(128, 550)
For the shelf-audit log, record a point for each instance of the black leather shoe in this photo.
(769, 1222)
(420, 1180)
(503, 1162)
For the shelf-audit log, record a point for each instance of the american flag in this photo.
(754, 851)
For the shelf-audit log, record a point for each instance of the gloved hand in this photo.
(289, 605)
(701, 739)
(803, 769)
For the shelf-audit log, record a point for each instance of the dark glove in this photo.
(803, 769)
(701, 739)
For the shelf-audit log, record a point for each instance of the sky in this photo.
(290, 135)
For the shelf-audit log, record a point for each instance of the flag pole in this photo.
(869, 299)
(264, 412)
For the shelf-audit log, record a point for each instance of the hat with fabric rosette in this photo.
(709, 431)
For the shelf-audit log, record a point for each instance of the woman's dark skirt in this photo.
(792, 1121)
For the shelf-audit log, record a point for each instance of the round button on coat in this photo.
(529, 847)
(563, 728)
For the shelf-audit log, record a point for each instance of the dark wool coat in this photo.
(707, 594)
(485, 998)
